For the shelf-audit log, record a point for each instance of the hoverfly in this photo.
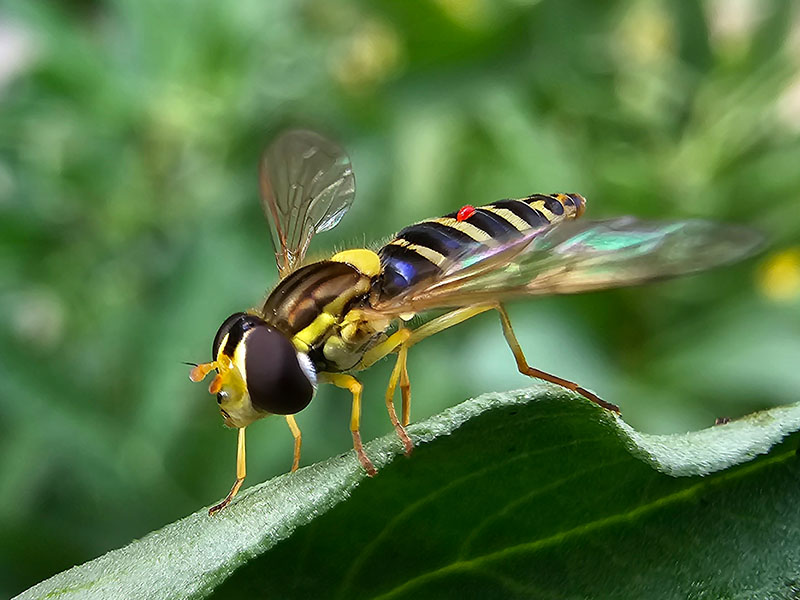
(328, 319)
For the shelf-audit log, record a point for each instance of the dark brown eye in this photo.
(276, 380)
(224, 330)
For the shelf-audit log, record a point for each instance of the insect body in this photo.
(328, 319)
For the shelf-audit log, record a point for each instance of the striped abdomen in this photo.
(418, 251)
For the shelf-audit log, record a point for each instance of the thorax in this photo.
(321, 308)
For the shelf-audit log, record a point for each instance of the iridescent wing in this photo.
(573, 257)
(307, 185)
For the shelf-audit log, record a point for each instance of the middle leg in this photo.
(401, 341)
(428, 329)
(405, 391)
(395, 342)
(398, 373)
(348, 382)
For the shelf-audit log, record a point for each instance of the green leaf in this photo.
(530, 494)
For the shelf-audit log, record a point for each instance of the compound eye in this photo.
(224, 330)
(276, 381)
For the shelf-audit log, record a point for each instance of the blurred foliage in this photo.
(130, 226)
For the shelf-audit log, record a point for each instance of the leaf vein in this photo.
(483, 561)
(411, 508)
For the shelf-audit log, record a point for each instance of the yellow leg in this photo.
(397, 340)
(397, 374)
(526, 369)
(444, 322)
(298, 441)
(349, 382)
(241, 472)
(405, 391)
(401, 341)
(385, 348)
(428, 329)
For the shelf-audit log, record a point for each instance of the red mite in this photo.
(465, 212)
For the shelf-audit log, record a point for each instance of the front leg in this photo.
(298, 441)
(241, 472)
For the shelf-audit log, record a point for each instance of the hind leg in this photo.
(526, 369)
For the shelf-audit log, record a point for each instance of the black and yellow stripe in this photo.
(308, 304)
(418, 251)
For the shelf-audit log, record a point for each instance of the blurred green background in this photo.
(130, 227)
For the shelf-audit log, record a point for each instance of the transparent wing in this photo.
(307, 185)
(575, 256)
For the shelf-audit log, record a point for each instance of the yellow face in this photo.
(259, 372)
(234, 401)
(230, 387)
